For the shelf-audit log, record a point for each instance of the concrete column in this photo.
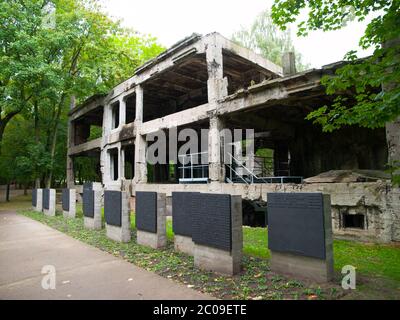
(121, 163)
(70, 172)
(217, 85)
(216, 166)
(289, 63)
(140, 159)
(140, 141)
(122, 112)
(139, 104)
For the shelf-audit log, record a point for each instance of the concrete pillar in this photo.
(216, 168)
(139, 104)
(140, 141)
(158, 239)
(140, 159)
(39, 200)
(51, 210)
(122, 112)
(70, 172)
(289, 63)
(217, 85)
(122, 163)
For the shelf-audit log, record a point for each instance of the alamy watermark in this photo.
(193, 146)
(49, 278)
(349, 279)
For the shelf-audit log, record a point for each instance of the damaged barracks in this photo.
(209, 82)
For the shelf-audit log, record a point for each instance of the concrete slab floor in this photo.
(82, 271)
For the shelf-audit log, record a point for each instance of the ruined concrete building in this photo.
(210, 82)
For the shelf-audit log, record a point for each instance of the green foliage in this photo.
(266, 39)
(53, 53)
(374, 79)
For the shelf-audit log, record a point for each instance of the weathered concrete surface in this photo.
(82, 272)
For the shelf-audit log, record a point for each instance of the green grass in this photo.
(256, 281)
(368, 258)
(378, 265)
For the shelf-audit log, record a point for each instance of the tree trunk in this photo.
(37, 138)
(54, 141)
(8, 192)
(4, 122)
(393, 128)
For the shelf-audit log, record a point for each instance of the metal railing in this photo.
(253, 178)
(190, 172)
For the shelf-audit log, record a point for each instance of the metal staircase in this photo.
(237, 172)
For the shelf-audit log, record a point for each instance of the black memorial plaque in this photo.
(46, 199)
(34, 197)
(87, 186)
(296, 223)
(212, 220)
(113, 207)
(183, 205)
(88, 203)
(65, 199)
(146, 211)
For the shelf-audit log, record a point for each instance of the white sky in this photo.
(172, 20)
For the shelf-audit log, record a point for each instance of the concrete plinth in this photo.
(158, 239)
(94, 223)
(71, 213)
(307, 266)
(149, 239)
(121, 233)
(184, 244)
(302, 267)
(216, 260)
(39, 200)
(223, 261)
(51, 211)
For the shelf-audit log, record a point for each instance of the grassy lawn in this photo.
(369, 259)
(378, 266)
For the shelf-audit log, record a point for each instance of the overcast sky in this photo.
(172, 20)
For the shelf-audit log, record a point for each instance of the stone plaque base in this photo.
(92, 223)
(302, 267)
(118, 233)
(184, 244)
(216, 260)
(149, 239)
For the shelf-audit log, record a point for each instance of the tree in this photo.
(374, 79)
(53, 54)
(265, 38)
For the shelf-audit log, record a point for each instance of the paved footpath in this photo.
(82, 271)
